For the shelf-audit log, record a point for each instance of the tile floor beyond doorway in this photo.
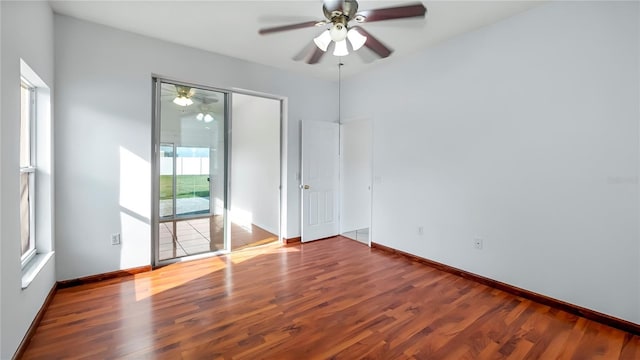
(361, 235)
(180, 238)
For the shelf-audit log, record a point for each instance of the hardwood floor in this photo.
(334, 298)
(242, 237)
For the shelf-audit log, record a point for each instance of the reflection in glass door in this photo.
(190, 131)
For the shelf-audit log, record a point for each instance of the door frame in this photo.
(155, 167)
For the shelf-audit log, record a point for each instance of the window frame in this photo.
(30, 253)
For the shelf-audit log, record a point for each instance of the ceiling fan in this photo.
(184, 95)
(339, 14)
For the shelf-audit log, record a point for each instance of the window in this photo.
(35, 155)
(27, 171)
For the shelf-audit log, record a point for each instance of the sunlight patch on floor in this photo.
(167, 278)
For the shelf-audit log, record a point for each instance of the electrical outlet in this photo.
(115, 239)
(477, 243)
(420, 230)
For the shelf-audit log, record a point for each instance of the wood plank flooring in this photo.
(334, 298)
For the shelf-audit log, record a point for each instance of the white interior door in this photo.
(320, 179)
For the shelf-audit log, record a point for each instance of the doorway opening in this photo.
(255, 171)
(336, 180)
(355, 179)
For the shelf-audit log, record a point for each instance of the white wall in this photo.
(524, 134)
(103, 135)
(26, 32)
(1, 232)
(255, 162)
(355, 175)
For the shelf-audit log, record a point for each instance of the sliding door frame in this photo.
(156, 81)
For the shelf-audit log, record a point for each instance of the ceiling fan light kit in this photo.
(323, 40)
(338, 14)
(206, 117)
(356, 39)
(183, 97)
(341, 48)
(338, 32)
(182, 101)
(340, 36)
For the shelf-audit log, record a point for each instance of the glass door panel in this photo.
(192, 203)
(192, 185)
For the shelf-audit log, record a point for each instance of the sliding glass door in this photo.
(190, 140)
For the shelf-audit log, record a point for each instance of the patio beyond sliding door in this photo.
(190, 169)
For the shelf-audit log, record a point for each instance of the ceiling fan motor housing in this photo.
(183, 91)
(342, 8)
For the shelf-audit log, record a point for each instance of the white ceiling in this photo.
(231, 27)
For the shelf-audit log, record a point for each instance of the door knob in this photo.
(306, 187)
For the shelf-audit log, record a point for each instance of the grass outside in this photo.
(187, 186)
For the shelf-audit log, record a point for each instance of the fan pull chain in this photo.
(340, 64)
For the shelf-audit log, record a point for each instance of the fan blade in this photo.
(374, 44)
(399, 12)
(311, 52)
(315, 56)
(288, 27)
(304, 53)
(367, 55)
